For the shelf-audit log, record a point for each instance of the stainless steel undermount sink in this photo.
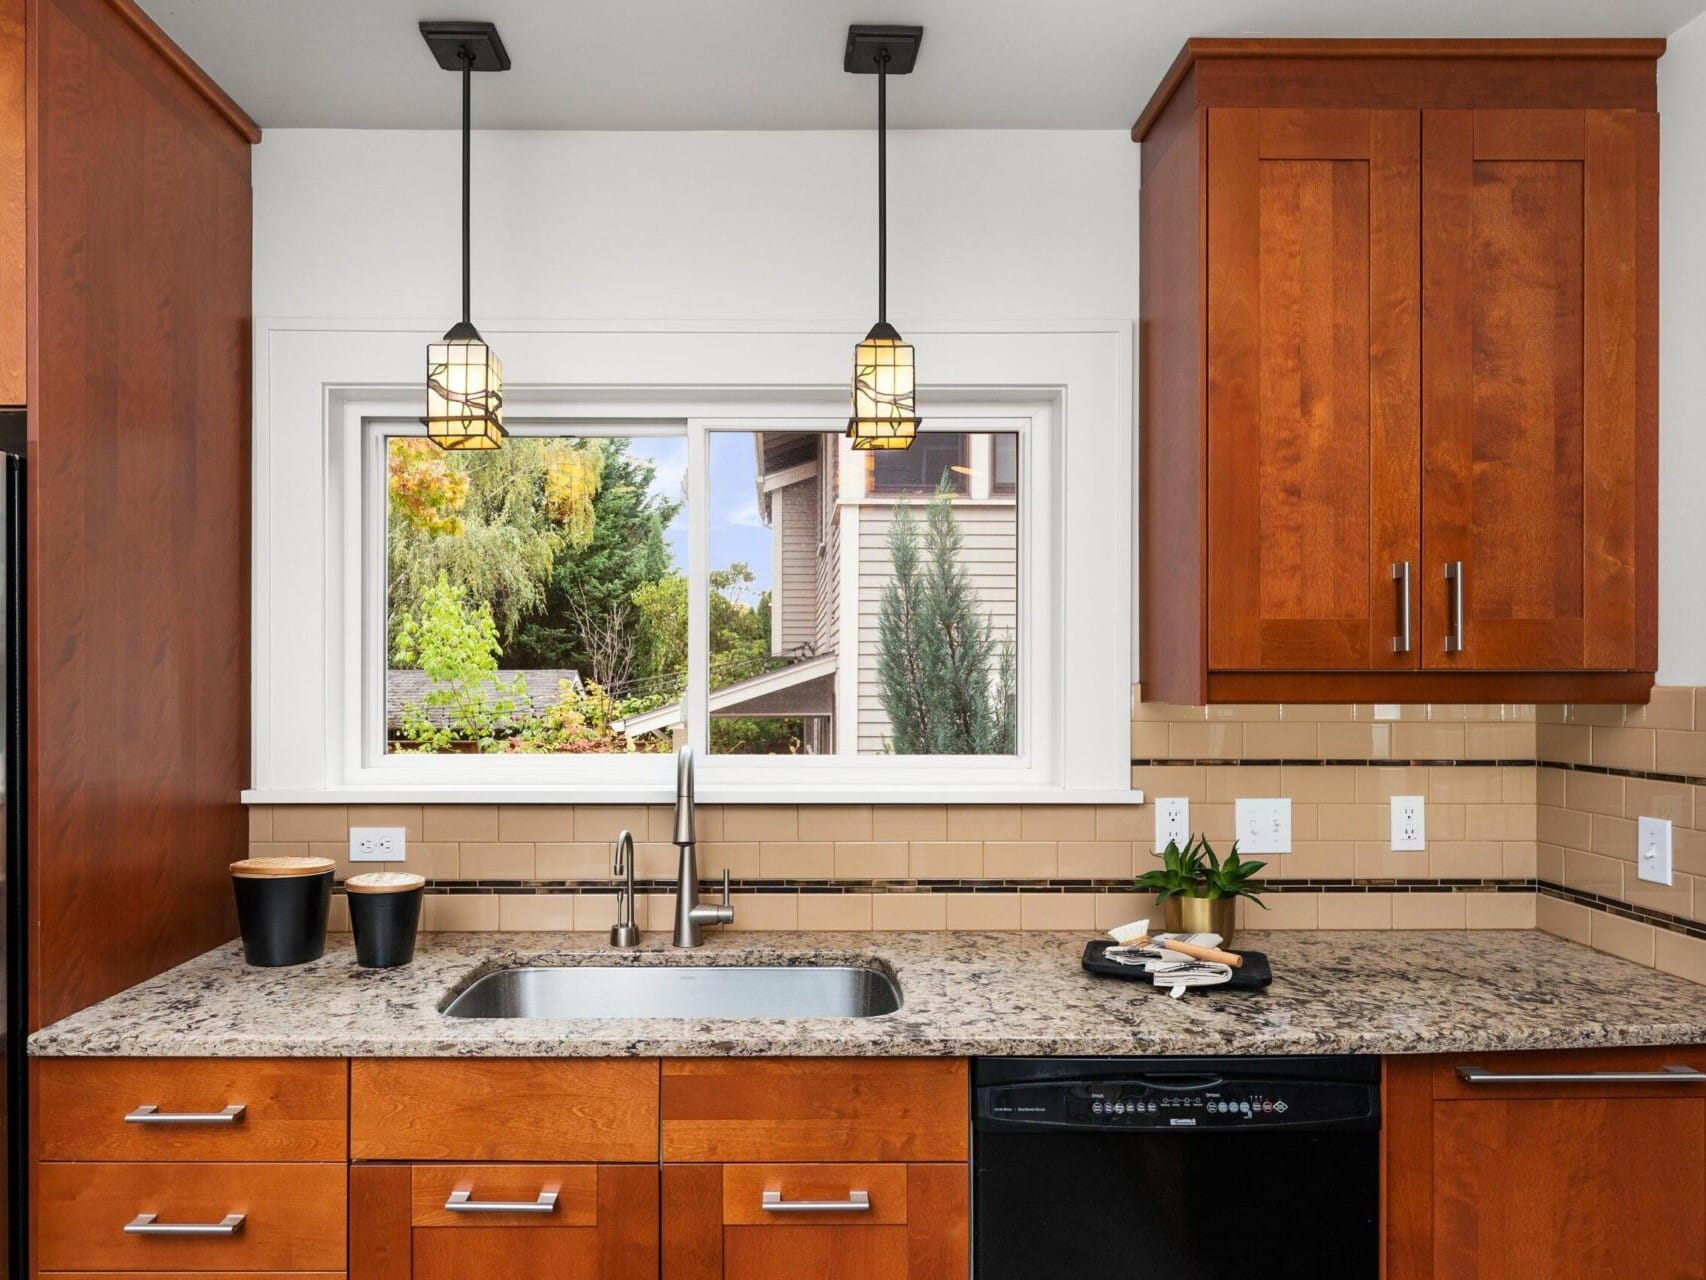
(679, 991)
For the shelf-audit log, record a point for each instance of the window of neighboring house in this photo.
(937, 459)
(1004, 451)
(845, 626)
(535, 595)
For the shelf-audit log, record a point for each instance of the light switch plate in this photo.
(1264, 825)
(1652, 850)
(1409, 824)
(1172, 820)
(377, 844)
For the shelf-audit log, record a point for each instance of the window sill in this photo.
(524, 794)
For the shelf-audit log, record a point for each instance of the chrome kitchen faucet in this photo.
(691, 915)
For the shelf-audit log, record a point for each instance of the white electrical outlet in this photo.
(377, 844)
(1409, 824)
(1264, 825)
(1172, 820)
(1652, 850)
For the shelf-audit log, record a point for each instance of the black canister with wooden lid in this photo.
(282, 904)
(385, 913)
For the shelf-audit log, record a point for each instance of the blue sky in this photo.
(736, 531)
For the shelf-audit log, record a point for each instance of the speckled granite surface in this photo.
(964, 993)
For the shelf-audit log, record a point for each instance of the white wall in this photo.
(707, 226)
(1682, 358)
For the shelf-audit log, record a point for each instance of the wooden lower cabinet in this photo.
(917, 1225)
(1585, 1178)
(602, 1226)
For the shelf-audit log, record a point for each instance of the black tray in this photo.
(1252, 976)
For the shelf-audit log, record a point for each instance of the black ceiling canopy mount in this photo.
(866, 43)
(448, 39)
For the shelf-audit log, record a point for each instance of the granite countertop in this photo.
(963, 994)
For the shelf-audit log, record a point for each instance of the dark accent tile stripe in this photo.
(1644, 774)
(1381, 763)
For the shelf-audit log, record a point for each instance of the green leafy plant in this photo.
(456, 644)
(1196, 871)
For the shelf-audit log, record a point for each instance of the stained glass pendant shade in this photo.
(465, 378)
(885, 410)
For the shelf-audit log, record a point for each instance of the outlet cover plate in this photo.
(1172, 820)
(1409, 824)
(377, 844)
(1652, 850)
(1264, 824)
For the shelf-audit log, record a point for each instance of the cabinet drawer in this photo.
(917, 1226)
(879, 1188)
(1572, 1073)
(594, 1109)
(171, 1109)
(572, 1191)
(292, 1216)
(755, 1110)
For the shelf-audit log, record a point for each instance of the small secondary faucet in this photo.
(691, 915)
(625, 933)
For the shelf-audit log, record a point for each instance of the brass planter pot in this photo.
(1199, 915)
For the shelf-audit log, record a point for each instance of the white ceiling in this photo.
(776, 64)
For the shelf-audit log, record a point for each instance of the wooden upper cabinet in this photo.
(1531, 235)
(1313, 431)
(1398, 428)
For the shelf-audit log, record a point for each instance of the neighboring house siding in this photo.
(828, 537)
(990, 553)
(795, 528)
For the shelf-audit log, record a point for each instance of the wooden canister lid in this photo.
(257, 868)
(384, 882)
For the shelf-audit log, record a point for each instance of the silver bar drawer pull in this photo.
(461, 1201)
(153, 1115)
(143, 1224)
(1454, 637)
(1664, 1075)
(1401, 576)
(856, 1202)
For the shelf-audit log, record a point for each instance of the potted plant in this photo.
(1197, 889)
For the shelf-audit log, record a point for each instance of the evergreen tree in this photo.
(625, 550)
(947, 687)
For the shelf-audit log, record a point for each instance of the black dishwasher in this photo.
(1189, 1168)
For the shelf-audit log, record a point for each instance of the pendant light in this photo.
(885, 412)
(465, 380)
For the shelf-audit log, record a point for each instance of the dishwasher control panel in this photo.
(1184, 1103)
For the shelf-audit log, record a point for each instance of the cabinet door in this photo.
(602, 1223)
(1566, 1179)
(912, 1222)
(1313, 394)
(1535, 235)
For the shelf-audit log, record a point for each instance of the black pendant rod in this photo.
(467, 56)
(882, 186)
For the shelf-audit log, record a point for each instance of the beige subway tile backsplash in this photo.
(1493, 816)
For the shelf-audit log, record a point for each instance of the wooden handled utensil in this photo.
(1229, 958)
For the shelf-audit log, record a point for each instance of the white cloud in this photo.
(745, 516)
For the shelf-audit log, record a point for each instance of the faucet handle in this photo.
(725, 902)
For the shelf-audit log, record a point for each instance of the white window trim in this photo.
(316, 381)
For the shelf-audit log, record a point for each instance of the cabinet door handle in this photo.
(153, 1115)
(1664, 1075)
(856, 1202)
(144, 1224)
(1454, 576)
(461, 1201)
(1401, 575)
